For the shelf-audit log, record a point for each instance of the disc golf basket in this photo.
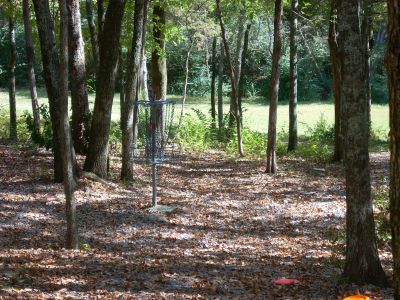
(154, 144)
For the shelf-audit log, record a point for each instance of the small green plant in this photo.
(45, 138)
(382, 220)
(22, 130)
(84, 246)
(115, 137)
(335, 234)
(254, 143)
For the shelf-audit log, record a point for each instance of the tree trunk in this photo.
(366, 31)
(130, 111)
(11, 78)
(274, 92)
(362, 261)
(96, 159)
(121, 76)
(292, 145)
(243, 70)
(51, 66)
(30, 55)
(220, 88)
(185, 85)
(65, 136)
(338, 152)
(93, 32)
(101, 15)
(234, 93)
(393, 70)
(213, 77)
(77, 69)
(158, 58)
(144, 77)
(238, 60)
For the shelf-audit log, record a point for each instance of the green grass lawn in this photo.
(255, 113)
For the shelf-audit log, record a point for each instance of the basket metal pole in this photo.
(154, 179)
(153, 125)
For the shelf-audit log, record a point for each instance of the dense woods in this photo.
(93, 72)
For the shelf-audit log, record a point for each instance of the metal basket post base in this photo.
(154, 182)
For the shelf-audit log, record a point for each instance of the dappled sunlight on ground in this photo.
(233, 230)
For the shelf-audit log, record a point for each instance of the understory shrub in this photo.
(22, 130)
(197, 133)
(45, 138)
(382, 219)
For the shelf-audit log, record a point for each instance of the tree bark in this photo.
(11, 77)
(144, 77)
(366, 30)
(274, 92)
(234, 93)
(393, 71)
(158, 58)
(65, 136)
(30, 55)
(185, 85)
(362, 261)
(93, 32)
(292, 145)
(238, 59)
(130, 111)
(101, 15)
(338, 151)
(213, 78)
(77, 71)
(50, 60)
(121, 76)
(243, 69)
(96, 159)
(220, 88)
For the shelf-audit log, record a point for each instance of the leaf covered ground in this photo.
(232, 231)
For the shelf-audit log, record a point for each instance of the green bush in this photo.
(382, 222)
(45, 138)
(22, 130)
(254, 143)
(197, 133)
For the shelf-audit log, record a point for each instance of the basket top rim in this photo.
(155, 102)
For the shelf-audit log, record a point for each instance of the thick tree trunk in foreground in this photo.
(274, 92)
(338, 151)
(11, 78)
(101, 17)
(51, 66)
(96, 159)
(220, 88)
(292, 145)
(393, 70)
(77, 72)
(213, 78)
(65, 136)
(362, 260)
(158, 58)
(93, 32)
(130, 112)
(30, 55)
(234, 93)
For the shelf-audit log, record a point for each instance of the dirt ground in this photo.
(232, 231)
